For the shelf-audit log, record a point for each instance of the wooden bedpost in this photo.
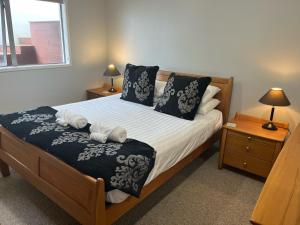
(99, 212)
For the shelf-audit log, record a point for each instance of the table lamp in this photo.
(111, 72)
(274, 97)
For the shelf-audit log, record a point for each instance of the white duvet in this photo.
(171, 137)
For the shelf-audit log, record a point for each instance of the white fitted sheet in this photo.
(171, 137)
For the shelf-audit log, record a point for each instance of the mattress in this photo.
(171, 137)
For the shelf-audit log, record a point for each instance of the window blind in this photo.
(6, 19)
(55, 1)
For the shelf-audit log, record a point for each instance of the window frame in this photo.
(65, 37)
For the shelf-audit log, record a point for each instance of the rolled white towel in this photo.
(98, 128)
(118, 134)
(61, 122)
(77, 121)
(100, 137)
(95, 127)
(61, 114)
(99, 132)
(65, 117)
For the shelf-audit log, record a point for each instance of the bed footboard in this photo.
(83, 197)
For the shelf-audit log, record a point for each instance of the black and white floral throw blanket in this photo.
(122, 166)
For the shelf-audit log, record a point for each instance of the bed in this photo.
(84, 197)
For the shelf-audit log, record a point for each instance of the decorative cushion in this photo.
(182, 96)
(139, 83)
(205, 108)
(210, 92)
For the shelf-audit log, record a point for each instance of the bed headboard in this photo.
(224, 95)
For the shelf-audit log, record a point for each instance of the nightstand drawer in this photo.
(248, 163)
(251, 145)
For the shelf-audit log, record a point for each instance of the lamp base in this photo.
(112, 90)
(269, 126)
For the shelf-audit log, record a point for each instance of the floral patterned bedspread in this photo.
(122, 166)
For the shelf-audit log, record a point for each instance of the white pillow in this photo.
(210, 92)
(159, 90)
(205, 108)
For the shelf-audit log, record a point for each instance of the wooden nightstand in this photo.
(249, 147)
(100, 92)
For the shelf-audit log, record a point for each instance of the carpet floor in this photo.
(199, 195)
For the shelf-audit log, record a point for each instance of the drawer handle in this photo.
(245, 164)
(249, 138)
(247, 148)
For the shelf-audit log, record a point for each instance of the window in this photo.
(33, 33)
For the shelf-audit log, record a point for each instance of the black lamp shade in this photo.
(275, 97)
(111, 71)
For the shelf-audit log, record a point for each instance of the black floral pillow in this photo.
(182, 96)
(139, 83)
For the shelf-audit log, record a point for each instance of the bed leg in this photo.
(4, 169)
(222, 147)
(99, 215)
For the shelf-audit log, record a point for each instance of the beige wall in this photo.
(22, 89)
(256, 41)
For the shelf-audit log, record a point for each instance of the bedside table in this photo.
(100, 92)
(249, 147)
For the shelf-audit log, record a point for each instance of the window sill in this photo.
(33, 67)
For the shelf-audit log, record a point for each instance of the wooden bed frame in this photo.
(83, 197)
